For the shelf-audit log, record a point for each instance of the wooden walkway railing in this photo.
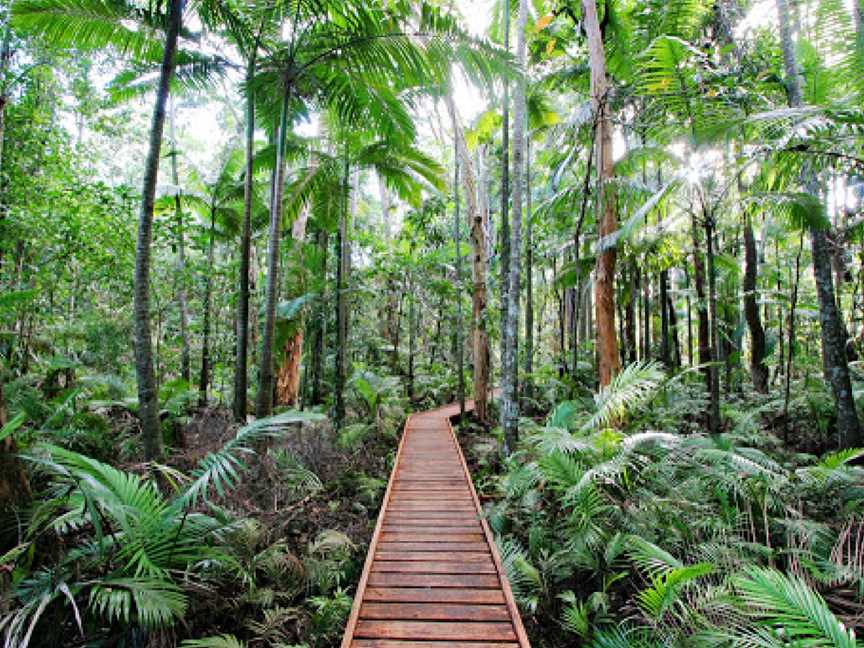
(433, 578)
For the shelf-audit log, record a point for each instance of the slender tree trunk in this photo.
(264, 398)
(604, 280)
(673, 328)
(477, 216)
(703, 335)
(689, 320)
(510, 360)
(457, 241)
(180, 267)
(664, 319)
(646, 315)
(505, 211)
(341, 303)
(320, 326)
(836, 367)
(713, 370)
(758, 369)
(204, 380)
(630, 315)
(148, 403)
(242, 354)
(561, 297)
(793, 304)
(412, 339)
(528, 386)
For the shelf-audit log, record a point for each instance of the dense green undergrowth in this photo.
(622, 524)
(252, 536)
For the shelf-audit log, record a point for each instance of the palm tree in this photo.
(377, 46)
(249, 27)
(145, 36)
(607, 219)
(324, 188)
(835, 365)
(510, 332)
(478, 221)
(219, 201)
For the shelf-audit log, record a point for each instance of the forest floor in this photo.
(352, 482)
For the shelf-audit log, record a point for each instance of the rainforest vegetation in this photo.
(242, 240)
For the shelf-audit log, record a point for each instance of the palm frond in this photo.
(783, 602)
(148, 602)
(220, 641)
(631, 388)
(90, 25)
(220, 470)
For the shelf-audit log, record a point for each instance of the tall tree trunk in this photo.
(646, 315)
(288, 375)
(148, 402)
(607, 219)
(713, 369)
(758, 369)
(341, 303)
(242, 353)
(561, 298)
(510, 332)
(384, 196)
(673, 328)
(412, 339)
(702, 328)
(664, 319)
(504, 247)
(264, 397)
(793, 305)
(478, 216)
(457, 244)
(630, 315)
(836, 367)
(204, 380)
(528, 387)
(180, 266)
(320, 325)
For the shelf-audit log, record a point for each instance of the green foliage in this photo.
(139, 540)
(680, 529)
(787, 604)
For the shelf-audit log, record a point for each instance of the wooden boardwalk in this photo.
(433, 578)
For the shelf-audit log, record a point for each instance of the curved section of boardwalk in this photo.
(433, 577)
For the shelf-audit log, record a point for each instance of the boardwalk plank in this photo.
(434, 595)
(433, 578)
(434, 612)
(389, 643)
(434, 567)
(439, 630)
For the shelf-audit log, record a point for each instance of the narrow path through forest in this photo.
(433, 577)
